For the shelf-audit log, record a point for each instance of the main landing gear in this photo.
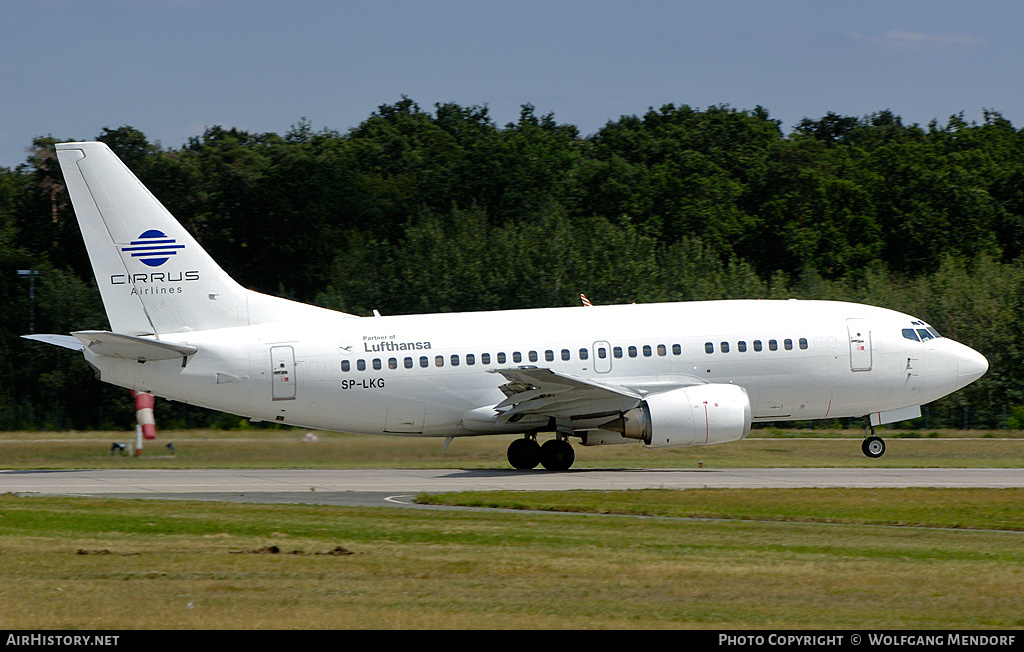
(554, 455)
(873, 446)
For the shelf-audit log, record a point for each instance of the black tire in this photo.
(557, 455)
(524, 454)
(873, 446)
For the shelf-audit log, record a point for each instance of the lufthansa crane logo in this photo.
(153, 248)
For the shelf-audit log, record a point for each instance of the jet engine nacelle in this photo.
(689, 416)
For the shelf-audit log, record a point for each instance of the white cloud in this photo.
(920, 38)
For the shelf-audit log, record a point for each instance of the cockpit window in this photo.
(922, 334)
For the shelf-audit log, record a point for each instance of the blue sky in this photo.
(171, 68)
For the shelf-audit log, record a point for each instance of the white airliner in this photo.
(670, 374)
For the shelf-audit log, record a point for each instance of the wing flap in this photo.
(542, 391)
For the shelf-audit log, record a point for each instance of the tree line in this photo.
(419, 210)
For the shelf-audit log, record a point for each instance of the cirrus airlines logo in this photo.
(153, 248)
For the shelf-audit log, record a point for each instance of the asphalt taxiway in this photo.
(398, 486)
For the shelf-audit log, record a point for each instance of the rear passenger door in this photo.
(282, 359)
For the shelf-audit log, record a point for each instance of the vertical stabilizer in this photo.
(153, 276)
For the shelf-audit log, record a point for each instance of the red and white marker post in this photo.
(145, 426)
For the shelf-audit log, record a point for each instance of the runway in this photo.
(397, 486)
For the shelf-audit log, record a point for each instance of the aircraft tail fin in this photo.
(153, 276)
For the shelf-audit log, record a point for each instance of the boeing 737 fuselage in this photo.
(671, 374)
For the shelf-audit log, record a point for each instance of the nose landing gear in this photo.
(873, 445)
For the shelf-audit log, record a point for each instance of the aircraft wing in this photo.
(541, 391)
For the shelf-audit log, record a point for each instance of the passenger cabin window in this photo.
(501, 358)
(439, 361)
(533, 356)
(709, 347)
(470, 359)
(725, 347)
(741, 346)
(677, 349)
(565, 354)
(344, 365)
(773, 345)
(757, 345)
(517, 356)
(455, 360)
(662, 351)
(485, 358)
(361, 364)
(392, 363)
(632, 351)
(617, 352)
(647, 350)
(424, 361)
(549, 356)
(788, 344)
(585, 354)
(803, 342)
(376, 364)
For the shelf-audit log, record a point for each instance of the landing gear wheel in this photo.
(873, 446)
(557, 455)
(524, 453)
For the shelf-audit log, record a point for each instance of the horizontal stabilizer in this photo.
(130, 347)
(67, 341)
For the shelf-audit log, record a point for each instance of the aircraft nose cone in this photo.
(971, 366)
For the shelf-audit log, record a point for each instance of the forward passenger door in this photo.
(860, 344)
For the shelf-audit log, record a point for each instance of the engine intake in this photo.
(689, 416)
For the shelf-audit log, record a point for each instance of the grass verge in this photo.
(990, 509)
(122, 564)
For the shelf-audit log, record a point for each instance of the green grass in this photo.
(73, 563)
(995, 509)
